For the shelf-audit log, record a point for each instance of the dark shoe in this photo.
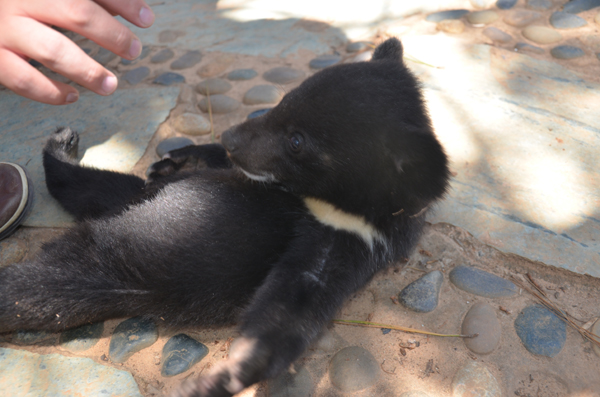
(16, 193)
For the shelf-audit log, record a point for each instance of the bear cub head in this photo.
(356, 136)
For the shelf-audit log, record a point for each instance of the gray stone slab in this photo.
(524, 139)
(29, 374)
(115, 131)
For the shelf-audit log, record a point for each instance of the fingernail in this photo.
(72, 97)
(135, 48)
(146, 16)
(109, 85)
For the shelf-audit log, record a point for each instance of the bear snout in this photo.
(230, 141)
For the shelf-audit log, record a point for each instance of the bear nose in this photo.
(230, 141)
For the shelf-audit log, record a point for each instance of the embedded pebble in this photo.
(162, 56)
(219, 104)
(216, 66)
(25, 338)
(481, 319)
(104, 56)
(444, 15)
(180, 354)
(131, 336)
(475, 380)
(451, 26)
(482, 17)
(262, 94)
(577, 6)
(564, 20)
(287, 384)
(187, 60)
(541, 331)
(172, 144)
(506, 4)
(524, 47)
(540, 5)
(521, 18)
(81, 338)
(242, 74)
(357, 46)
(135, 76)
(422, 295)
(481, 283)
(497, 35)
(283, 75)
(362, 57)
(598, 56)
(191, 124)
(145, 51)
(596, 331)
(257, 113)
(414, 393)
(168, 36)
(566, 52)
(213, 86)
(541, 34)
(482, 3)
(187, 94)
(169, 78)
(592, 41)
(323, 61)
(353, 368)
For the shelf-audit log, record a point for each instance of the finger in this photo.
(136, 11)
(89, 19)
(60, 54)
(23, 79)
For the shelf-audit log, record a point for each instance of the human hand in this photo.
(25, 32)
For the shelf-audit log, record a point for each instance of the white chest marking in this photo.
(331, 216)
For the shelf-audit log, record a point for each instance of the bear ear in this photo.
(391, 49)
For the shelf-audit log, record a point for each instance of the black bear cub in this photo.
(273, 231)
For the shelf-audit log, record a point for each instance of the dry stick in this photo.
(398, 328)
(212, 129)
(566, 317)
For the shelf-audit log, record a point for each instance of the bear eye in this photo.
(296, 143)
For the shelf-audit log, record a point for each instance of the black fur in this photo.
(202, 245)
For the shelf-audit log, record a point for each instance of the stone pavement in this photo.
(512, 92)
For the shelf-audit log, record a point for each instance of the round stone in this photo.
(540, 5)
(213, 86)
(482, 3)
(566, 52)
(169, 36)
(81, 338)
(262, 94)
(131, 336)
(216, 66)
(506, 4)
(25, 338)
(191, 124)
(242, 74)
(414, 393)
(521, 18)
(541, 331)
(180, 354)
(135, 76)
(352, 369)
(257, 113)
(171, 144)
(497, 35)
(219, 104)
(324, 61)
(481, 283)
(145, 51)
(577, 6)
(541, 34)
(481, 319)
(524, 47)
(162, 56)
(596, 331)
(283, 75)
(482, 17)
(169, 78)
(104, 56)
(564, 20)
(475, 380)
(451, 26)
(358, 46)
(299, 384)
(187, 60)
(422, 295)
(444, 15)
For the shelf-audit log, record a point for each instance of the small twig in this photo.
(415, 60)
(398, 212)
(398, 328)
(212, 129)
(383, 369)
